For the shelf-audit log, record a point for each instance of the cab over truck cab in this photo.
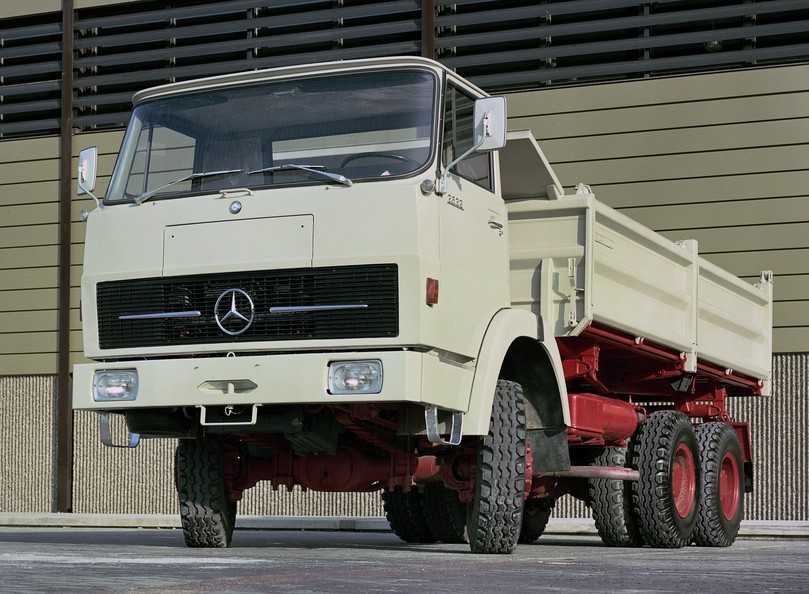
(346, 277)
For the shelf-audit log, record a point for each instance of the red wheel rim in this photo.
(683, 480)
(729, 486)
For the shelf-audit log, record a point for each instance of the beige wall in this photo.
(717, 157)
(28, 255)
(16, 8)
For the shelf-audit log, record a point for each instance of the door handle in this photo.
(496, 225)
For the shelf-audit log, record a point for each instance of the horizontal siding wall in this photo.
(18, 8)
(720, 158)
(28, 259)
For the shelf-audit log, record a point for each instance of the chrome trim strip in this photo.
(306, 308)
(162, 315)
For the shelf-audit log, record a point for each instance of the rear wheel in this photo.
(405, 514)
(445, 514)
(495, 514)
(206, 512)
(611, 502)
(721, 505)
(665, 498)
(535, 518)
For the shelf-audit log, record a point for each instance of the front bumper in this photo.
(279, 379)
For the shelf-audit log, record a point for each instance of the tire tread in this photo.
(710, 530)
(206, 513)
(495, 514)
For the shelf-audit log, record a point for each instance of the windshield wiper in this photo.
(316, 169)
(138, 200)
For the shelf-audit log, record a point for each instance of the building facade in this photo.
(692, 118)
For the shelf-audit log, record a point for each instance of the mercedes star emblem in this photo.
(234, 312)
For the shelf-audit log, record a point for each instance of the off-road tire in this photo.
(207, 514)
(494, 517)
(714, 529)
(535, 518)
(405, 514)
(611, 503)
(653, 454)
(444, 512)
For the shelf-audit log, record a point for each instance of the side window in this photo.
(458, 138)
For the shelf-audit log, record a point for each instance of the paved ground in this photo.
(121, 560)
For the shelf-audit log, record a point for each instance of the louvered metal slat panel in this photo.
(634, 67)
(275, 22)
(30, 73)
(500, 45)
(183, 42)
(673, 40)
(276, 41)
(608, 24)
(583, 40)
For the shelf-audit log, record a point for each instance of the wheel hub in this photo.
(683, 480)
(729, 486)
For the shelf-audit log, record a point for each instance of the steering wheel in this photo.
(400, 158)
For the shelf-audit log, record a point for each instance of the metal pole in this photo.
(64, 409)
(428, 28)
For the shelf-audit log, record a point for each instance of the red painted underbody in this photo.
(613, 381)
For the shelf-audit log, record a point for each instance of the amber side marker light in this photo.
(432, 291)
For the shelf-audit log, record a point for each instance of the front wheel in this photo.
(208, 515)
(495, 512)
(666, 496)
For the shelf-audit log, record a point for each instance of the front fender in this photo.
(505, 327)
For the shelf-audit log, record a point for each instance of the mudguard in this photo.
(506, 327)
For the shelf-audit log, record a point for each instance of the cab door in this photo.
(473, 243)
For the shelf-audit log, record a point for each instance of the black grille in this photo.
(375, 286)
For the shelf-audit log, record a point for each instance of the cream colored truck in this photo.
(344, 277)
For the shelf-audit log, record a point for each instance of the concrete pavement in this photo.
(34, 560)
(564, 526)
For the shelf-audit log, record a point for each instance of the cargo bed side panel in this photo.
(734, 322)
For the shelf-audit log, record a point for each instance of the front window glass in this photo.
(361, 126)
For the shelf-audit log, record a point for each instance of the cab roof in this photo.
(252, 76)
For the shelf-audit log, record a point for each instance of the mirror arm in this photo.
(441, 186)
(99, 203)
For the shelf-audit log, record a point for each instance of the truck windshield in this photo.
(370, 125)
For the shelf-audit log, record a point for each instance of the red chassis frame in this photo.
(613, 379)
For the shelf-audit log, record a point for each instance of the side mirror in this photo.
(86, 175)
(489, 133)
(490, 124)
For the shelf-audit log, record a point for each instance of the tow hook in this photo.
(105, 433)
